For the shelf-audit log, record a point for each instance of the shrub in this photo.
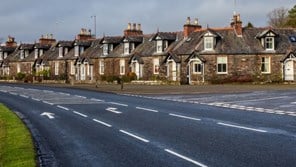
(20, 76)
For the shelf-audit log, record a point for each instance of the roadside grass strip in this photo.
(16, 145)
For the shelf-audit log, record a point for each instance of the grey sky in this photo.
(28, 20)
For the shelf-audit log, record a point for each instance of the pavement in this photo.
(178, 89)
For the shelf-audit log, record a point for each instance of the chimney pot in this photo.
(196, 21)
(134, 26)
(188, 20)
(139, 27)
(129, 26)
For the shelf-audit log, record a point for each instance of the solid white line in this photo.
(146, 109)
(185, 117)
(35, 99)
(241, 127)
(93, 99)
(64, 108)
(103, 123)
(119, 104)
(46, 102)
(62, 93)
(78, 113)
(134, 136)
(80, 96)
(12, 93)
(185, 158)
(24, 96)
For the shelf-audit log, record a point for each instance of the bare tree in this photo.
(277, 18)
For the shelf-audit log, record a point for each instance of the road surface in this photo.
(82, 128)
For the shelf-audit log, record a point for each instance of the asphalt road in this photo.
(84, 128)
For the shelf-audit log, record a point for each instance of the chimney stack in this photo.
(189, 27)
(237, 25)
(11, 42)
(133, 29)
(84, 35)
(47, 39)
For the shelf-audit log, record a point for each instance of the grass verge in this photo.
(16, 145)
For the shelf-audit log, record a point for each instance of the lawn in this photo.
(16, 145)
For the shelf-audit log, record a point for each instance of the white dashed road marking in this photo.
(64, 108)
(102, 123)
(46, 102)
(119, 104)
(241, 127)
(78, 113)
(185, 117)
(134, 136)
(146, 109)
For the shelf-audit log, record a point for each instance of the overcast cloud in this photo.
(27, 20)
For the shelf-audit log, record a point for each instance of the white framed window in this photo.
(5, 55)
(209, 43)
(76, 51)
(82, 70)
(159, 46)
(197, 67)
(126, 48)
(72, 68)
(22, 55)
(18, 68)
(66, 50)
(222, 65)
(26, 53)
(265, 65)
(156, 66)
(36, 53)
(102, 67)
(61, 52)
(81, 50)
(41, 52)
(105, 49)
(56, 68)
(1, 55)
(269, 43)
(122, 67)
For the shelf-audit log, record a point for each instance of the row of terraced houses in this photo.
(195, 55)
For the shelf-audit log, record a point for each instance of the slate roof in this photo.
(230, 43)
(112, 40)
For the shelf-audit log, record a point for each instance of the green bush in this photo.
(20, 76)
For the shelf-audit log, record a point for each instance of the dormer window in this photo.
(5, 55)
(22, 55)
(126, 48)
(1, 56)
(76, 51)
(26, 53)
(36, 53)
(107, 48)
(66, 50)
(41, 52)
(159, 47)
(269, 43)
(81, 50)
(209, 43)
(61, 54)
(267, 39)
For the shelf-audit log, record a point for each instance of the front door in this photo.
(289, 70)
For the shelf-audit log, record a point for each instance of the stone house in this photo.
(234, 54)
